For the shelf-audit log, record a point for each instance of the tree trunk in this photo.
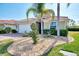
(41, 28)
(58, 18)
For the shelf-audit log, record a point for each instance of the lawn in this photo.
(72, 47)
(4, 44)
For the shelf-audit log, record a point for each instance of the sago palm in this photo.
(39, 10)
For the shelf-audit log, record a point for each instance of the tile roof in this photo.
(7, 21)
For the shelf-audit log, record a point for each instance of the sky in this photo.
(17, 11)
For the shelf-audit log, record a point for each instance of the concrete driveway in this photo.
(11, 36)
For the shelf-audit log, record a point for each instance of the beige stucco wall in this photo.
(10, 25)
(47, 25)
(62, 24)
(48, 20)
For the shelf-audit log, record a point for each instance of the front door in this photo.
(39, 27)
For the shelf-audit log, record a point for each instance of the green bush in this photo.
(2, 31)
(34, 37)
(73, 29)
(14, 31)
(53, 31)
(8, 29)
(46, 31)
(34, 33)
(63, 32)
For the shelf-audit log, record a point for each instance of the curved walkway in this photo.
(24, 47)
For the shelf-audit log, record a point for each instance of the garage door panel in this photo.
(24, 28)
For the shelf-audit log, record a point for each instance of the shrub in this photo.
(53, 31)
(8, 29)
(34, 33)
(73, 29)
(34, 37)
(46, 31)
(63, 32)
(14, 31)
(2, 31)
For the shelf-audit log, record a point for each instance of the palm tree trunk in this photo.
(58, 18)
(41, 27)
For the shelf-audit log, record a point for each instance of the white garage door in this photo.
(24, 28)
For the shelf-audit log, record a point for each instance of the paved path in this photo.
(24, 47)
(66, 53)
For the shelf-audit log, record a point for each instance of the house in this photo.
(8, 23)
(23, 25)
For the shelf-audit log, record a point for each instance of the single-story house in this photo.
(23, 25)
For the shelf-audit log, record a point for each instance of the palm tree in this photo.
(58, 17)
(39, 10)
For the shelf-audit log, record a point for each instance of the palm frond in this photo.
(30, 10)
(39, 7)
(51, 12)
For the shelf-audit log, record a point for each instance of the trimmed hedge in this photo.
(13, 31)
(53, 31)
(2, 31)
(46, 31)
(7, 30)
(63, 32)
(73, 29)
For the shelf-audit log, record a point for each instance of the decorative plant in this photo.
(39, 10)
(34, 33)
(14, 31)
(8, 29)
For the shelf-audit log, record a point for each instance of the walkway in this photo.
(24, 47)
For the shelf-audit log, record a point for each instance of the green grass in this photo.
(72, 47)
(4, 44)
(55, 51)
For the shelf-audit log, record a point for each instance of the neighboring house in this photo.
(8, 23)
(23, 26)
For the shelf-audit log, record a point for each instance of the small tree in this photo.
(34, 33)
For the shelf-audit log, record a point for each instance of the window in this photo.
(53, 25)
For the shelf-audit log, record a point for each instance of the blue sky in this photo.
(17, 11)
